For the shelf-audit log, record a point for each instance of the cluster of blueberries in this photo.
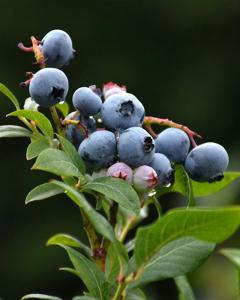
(109, 134)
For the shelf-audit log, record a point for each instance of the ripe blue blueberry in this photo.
(163, 168)
(87, 101)
(99, 149)
(121, 111)
(77, 133)
(48, 87)
(144, 178)
(120, 170)
(135, 147)
(207, 162)
(174, 143)
(57, 48)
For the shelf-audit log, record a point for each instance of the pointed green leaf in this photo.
(43, 191)
(202, 189)
(41, 121)
(112, 267)
(184, 288)
(36, 147)
(176, 258)
(211, 225)
(71, 151)
(56, 162)
(182, 184)
(233, 254)
(14, 131)
(63, 108)
(68, 240)
(40, 296)
(89, 273)
(9, 95)
(117, 190)
(97, 220)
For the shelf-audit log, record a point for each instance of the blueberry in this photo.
(86, 101)
(163, 168)
(144, 178)
(48, 87)
(174, 143)
(135, 147)
(57, 48)
(77, 133)
(207, 162)
(121, 111)
(120, 170)
(99, 149)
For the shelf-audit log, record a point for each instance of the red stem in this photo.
(148, 121)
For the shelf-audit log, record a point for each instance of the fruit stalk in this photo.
(148, 121)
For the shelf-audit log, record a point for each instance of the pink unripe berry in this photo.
(120, 170)
(144, 178)
(112, 88)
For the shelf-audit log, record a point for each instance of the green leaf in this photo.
(112, 267)
(211, 225)
(184, 288)
(36, 147)
(182, 185)
(135, 294)
(41, 121)
(118, 190)
(14, 131)
(40, 296)
(68, 240)
(43, 191)
(189, 188)
(71, 151)
(89, 273)
(9, 95)
(56, 162)
(97, 220)
(176, 258)
(63, 108)
(202, 189)
(233, 254)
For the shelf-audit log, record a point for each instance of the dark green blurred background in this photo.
(180, 58)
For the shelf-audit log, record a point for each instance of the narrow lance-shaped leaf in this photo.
(36, 147)
(98, 221)
(233, 254)
(63, 108)
(40, 296)
(212, 225)
(89, 273)
(202, 189)
(57, 162)
(43, 191)
(68, 240)
(9, 131)
(176, 258)
(184, 288)
(116, 189)
(70, 150)
(9, 95)
(40, 119)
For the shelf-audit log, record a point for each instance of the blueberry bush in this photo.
(107, 158)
